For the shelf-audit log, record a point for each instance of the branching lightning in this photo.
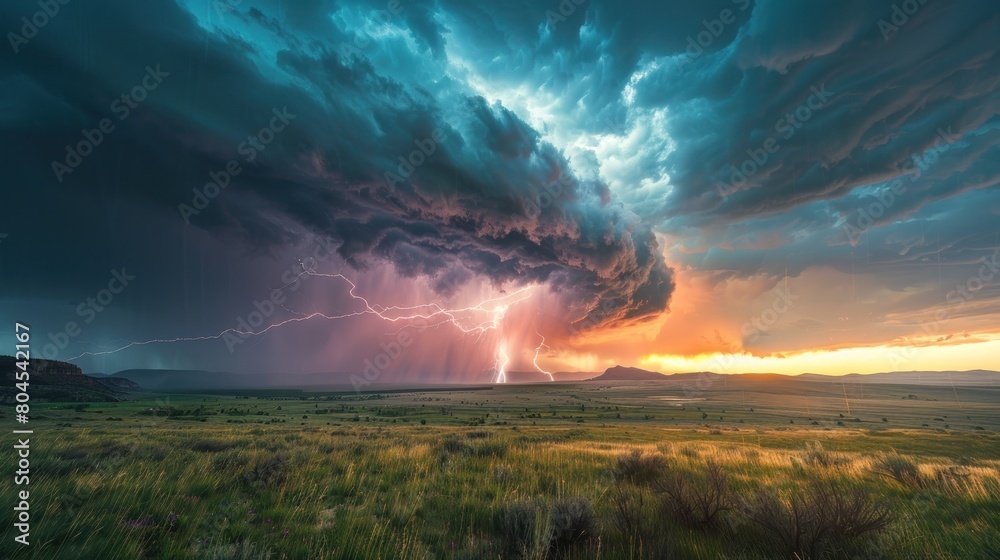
(502, 359)
(535, 360)
(422, 316)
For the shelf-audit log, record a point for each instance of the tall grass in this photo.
(185, 489)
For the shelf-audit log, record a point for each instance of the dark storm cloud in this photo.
(890, 97)
(358, 106)
(879, 83)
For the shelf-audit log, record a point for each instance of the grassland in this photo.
(463, 473)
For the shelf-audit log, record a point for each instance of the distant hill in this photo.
(934, 378)
(977, 377)
(622, 373)
(51, 380)
(202, 380)
(199, 380)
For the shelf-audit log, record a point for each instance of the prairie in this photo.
(527, 471)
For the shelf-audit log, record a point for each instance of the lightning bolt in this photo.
(535, 361)
(431, 314)
(501, 362)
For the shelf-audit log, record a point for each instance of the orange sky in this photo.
(822, 321)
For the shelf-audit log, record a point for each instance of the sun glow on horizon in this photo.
(875, 359)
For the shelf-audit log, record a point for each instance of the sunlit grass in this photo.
(332, 487)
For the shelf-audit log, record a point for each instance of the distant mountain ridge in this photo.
(622, 373)
(51, 380)
(973, 378)
(195, 380)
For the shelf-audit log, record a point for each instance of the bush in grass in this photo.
(535, 529)
(490, 448)
(647, 537)
(521, 526)
(696, 502)
(571, 520)
(816, 456)
(266, 471)
(898, 468)
(627, 515)
(638, 467)
(817, 520)
(452, 445)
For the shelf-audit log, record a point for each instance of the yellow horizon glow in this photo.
(874, 359)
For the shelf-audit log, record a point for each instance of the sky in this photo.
(448, 191)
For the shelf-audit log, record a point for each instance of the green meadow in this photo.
(757, 470)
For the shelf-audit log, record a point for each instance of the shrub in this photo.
(452, 445)
(571, 520)
(521, 526)
(816, 455)
(533, 529)
(627, 511)
(898, 468)
(639, 468)
(696, 502)
(270, 471)
(488, 449)
(808, 523)
(647, 538)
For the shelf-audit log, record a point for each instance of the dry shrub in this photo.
(898, 468)
(808, 523)
(520, 525)
(571, 520)
(642, 531)
(696, 502)
(637, 467)
(266, 471)
(534, 529)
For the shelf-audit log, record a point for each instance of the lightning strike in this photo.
(422, 316)
(501, 362)
(535, 361)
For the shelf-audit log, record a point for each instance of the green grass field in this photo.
(496, 472)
